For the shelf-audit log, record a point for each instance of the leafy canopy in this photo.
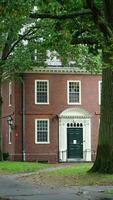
(75, 39)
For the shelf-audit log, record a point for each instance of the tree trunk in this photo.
(1, 137)
(104, 158)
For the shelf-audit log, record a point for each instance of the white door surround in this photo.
(74, 117)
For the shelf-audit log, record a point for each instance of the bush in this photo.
(4, 155)
(0, 155)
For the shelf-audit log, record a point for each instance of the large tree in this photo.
(104, 20)
(92, 24)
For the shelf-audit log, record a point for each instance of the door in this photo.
(75, 143)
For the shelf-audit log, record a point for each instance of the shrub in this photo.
(4, 155)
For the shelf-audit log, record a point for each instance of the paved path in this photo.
(16, 189)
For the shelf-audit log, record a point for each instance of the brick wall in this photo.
(58, 103)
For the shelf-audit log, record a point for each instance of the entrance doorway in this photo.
(74, 135)
(75, 143)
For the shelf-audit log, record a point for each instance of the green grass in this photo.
(109, 191)
(75, 168)
(78, 175)
(16, 167)
(69, 175)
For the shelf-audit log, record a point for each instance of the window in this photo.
(10, 93)
(10, 135)
(42, 92)
(42, 131)
(100, 91)
(74, 92)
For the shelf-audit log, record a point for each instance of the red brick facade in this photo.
(26, 111)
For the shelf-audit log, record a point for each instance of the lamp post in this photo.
(10, 121)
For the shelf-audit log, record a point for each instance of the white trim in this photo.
(59, 70)
(9, 135)
(39, 80)
(75, 103)
(99, 91)
(10, 93)
(63, 133)
(48, 134)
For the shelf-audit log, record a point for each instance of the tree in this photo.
(104, 158)
(11, 18)
(99, 34)
(16, 28)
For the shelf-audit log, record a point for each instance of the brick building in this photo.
(55, 115)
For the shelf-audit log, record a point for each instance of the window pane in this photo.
(74, 92)
(42, 131)
(42, 91)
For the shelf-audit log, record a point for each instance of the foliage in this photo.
(67, 35)
(17, 28)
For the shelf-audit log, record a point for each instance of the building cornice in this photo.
(59, 70)
(74, 117)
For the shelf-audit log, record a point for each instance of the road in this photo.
(14, 188)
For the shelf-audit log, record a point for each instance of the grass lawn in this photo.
(15, 167)
(109, 191)
(74, 175)
(69, 175)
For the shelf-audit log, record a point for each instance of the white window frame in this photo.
(99, 91)
(74, 103)
(9, 135)
(10, 93)
(42, 103)
(48, 134)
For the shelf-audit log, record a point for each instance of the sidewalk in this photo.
(16, 189)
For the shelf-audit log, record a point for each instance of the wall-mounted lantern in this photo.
(10, 121)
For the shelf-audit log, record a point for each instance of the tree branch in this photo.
(7, 46)
(99, 20)
(10, 48)
(64, 16)
(80, 32)
(31, 38)
(85, 40)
